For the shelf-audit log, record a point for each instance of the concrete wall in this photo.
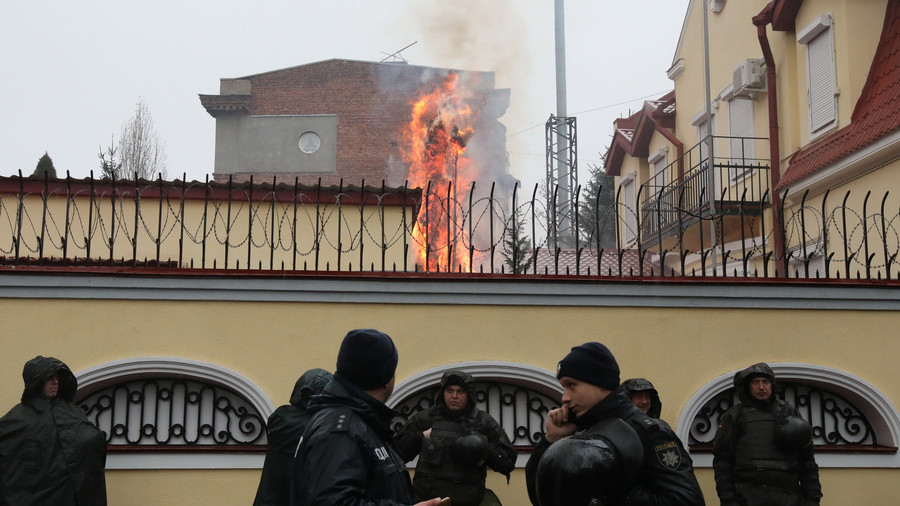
(270, 329)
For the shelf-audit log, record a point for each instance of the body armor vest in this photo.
(756, 448)
(438, 473)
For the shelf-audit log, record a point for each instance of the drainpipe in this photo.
(761, 20)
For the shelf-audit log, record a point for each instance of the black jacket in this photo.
(345, 457)
(747, 451)
(443, 471)
(666, 476)
(283, 430)
(49, 453)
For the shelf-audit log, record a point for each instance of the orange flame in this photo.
(434, 146)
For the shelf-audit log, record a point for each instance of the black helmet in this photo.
(575, 472)
(794, 434)
(469, 449)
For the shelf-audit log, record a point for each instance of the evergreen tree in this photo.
(516, 246)
(590, 207)
(110, 168)
(45, 167)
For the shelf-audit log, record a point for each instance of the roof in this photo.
(876, 115)
(568, 262)
(632, 135)
(364, 63)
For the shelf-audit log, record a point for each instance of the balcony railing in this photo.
(735, 179)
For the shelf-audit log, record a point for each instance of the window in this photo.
(175, 413)
(854, 425)
(740, 130)
(658, 163)
(517, 396)
(629, 209)
(821, 81)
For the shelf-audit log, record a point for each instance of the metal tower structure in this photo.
(561, 181)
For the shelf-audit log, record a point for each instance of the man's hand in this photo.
(427, 433)
(558, 424)
(437, 501)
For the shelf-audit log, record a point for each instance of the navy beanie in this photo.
(368, 358)
(591, 363)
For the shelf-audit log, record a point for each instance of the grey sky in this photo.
(73, 71)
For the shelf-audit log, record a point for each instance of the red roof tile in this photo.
(876, 115)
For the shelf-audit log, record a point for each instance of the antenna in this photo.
(395, 56)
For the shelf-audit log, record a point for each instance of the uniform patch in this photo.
(669, 455)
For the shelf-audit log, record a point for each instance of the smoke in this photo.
(490, 36)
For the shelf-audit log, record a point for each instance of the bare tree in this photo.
(141, 152)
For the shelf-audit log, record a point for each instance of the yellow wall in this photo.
(271, 343)
(218, 229)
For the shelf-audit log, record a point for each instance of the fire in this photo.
(434, 145)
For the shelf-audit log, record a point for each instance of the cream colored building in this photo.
(802, 122)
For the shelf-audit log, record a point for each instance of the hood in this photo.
(633, 385)
(456, 377)
(742, 382)
(310, 383)
(40, 369)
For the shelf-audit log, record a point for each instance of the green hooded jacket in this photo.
(50, 455)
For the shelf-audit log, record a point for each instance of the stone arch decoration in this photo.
(185, 411)
(518, 396)
(862, 428)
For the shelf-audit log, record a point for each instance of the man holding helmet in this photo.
(599, 449)
(763, 451)
(456, 442)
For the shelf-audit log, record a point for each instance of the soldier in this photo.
(643, 395)
(763, 451)
(49, 453)
(284, 428)
(456, 442)
(600, 449)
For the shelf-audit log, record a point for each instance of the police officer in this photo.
(600, 449)
(456, 442)
(345, 455)
(763, 451)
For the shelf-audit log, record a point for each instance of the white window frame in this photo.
(95, 378)
(821, 74)
(878, 409)
(659, 162)
(630, 208)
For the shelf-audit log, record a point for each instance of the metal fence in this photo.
(208, 225)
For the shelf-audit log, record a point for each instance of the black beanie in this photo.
(368, 358)
(592, 363)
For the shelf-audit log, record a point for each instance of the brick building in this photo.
(342, 120)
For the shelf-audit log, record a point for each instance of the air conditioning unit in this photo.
(749, 77)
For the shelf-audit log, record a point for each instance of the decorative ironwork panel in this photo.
(835, 421)
(173, 412)
(519, 410)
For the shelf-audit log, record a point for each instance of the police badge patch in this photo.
(669, 455)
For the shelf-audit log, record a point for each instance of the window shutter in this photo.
(822, 102)
(740, 124)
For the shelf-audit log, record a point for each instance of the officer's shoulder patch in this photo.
(649, 424)
(341, 420)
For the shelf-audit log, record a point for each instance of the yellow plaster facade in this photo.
(681, 346)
